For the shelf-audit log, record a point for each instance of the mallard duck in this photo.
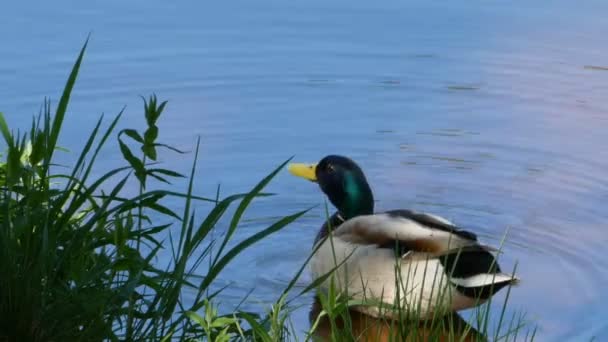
(416, 262)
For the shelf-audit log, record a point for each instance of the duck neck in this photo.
(358, 199)
(352, 205)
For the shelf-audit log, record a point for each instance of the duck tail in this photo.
(485, 285)
(486, 279)
(474, 271)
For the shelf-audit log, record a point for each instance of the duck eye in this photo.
(330, 168)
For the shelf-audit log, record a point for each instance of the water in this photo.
(493, 115)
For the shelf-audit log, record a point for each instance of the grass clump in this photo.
(78, 256)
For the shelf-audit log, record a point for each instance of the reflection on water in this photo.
(367, 328)
(490, 114)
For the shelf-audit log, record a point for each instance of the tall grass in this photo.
(79, 254)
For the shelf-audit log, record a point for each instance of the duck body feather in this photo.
(420, 262)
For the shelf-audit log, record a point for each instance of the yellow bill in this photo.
(306, 171)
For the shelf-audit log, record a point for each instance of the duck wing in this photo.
(406, 231)
(433, 221)
(329, 225)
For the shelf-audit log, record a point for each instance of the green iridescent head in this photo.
(342, 180)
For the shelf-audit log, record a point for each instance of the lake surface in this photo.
(492, 115)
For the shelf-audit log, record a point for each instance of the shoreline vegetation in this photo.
(80, 256)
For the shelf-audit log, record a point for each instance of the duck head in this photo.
(343, 181)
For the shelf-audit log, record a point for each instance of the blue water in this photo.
(491, 114)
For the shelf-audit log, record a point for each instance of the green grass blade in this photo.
(259, 332)
(219, 266)
(62, 106)
(8, 137)
(189, 197)
(245, 203)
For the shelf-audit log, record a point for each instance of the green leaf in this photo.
(151, 282)
(161, 108)
(150, 135)
(259, 331)
(169, 148)
(133, 134)
(152, 198)
(159, 178)
(166, 173)
(163, 210)
(222, 322)
(8, 137)
(14, 168)
(136, 164)
(122, 264)
(213, 217)
(236, 250)
(196, 318)
(26, 153)
(38, 149)
(149, 151)
(198, 198)
(81, 159)
(236, 217)
(168, 336)
(81, 198)
(149, 108)
(62, 106)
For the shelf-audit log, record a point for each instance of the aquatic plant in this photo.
(79, 255)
